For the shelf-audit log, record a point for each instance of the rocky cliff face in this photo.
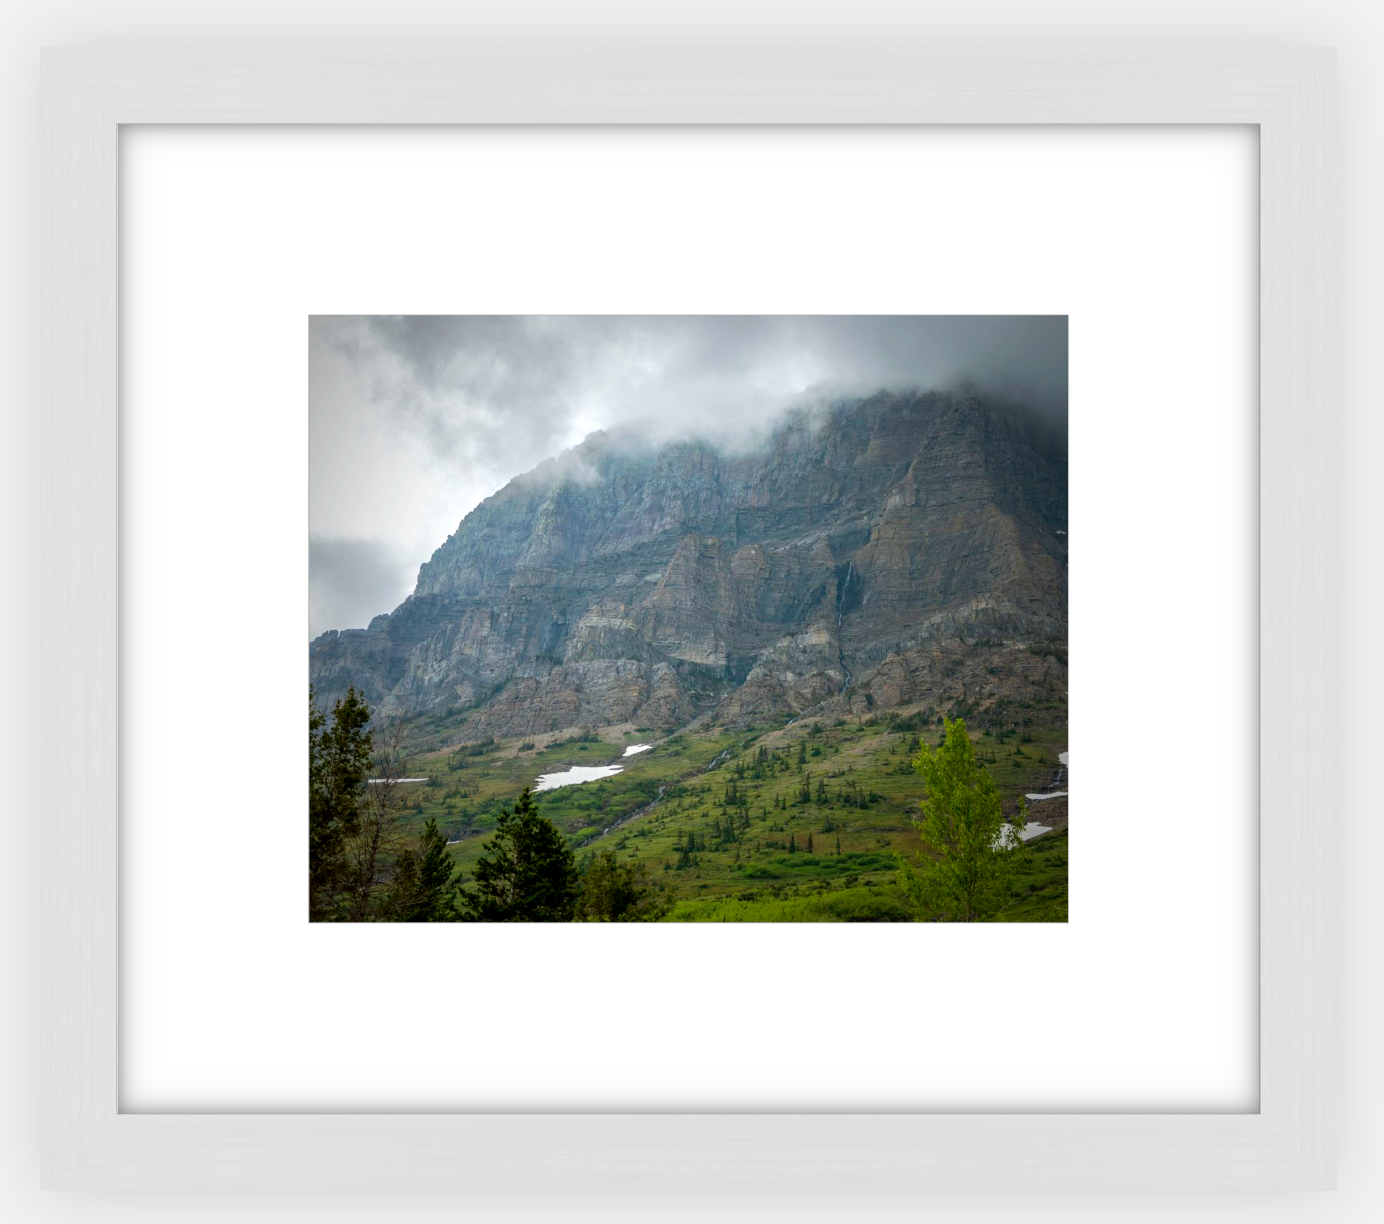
(846, 561)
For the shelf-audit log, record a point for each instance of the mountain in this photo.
(873, 553)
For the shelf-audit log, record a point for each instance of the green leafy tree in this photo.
(526, 874)
(968, 873)
(424, 884)
(612, 891)
(339, 757)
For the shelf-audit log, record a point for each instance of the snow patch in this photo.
(575, 776)
(1029, 831)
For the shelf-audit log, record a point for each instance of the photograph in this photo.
(688, 618)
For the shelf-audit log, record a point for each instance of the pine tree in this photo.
(526, 873)
(339, 759)
(809, 841)
(424, 885)
(612, 891)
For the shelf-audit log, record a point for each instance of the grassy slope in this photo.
(753, 876)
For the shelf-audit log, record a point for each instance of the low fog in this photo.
(413, 420)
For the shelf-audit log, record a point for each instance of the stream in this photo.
(1038, 797)
(1033, 828)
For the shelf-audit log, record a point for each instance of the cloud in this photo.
(351, 581)
(415, 419)
(467, 382)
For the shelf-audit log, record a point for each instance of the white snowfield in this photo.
(576, 775)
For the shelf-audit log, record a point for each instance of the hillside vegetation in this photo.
(764, 824)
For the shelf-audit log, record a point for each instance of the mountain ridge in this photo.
(874, 552)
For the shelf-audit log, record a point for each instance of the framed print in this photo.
(696, 521)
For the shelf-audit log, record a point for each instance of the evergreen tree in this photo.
(969, 871)
(526, 873)
(339, 759)
(809, 841)
(403, 887)
(612, 891)
(424, 884)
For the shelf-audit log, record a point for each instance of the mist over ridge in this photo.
(862, 552)
(417, 420)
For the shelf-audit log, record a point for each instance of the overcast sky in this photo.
(413, 420)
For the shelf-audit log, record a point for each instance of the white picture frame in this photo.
(88, 1143)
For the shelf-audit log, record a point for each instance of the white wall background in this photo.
(1352, 27)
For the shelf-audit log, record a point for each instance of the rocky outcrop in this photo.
(621, 582)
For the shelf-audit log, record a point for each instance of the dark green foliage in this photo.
(721, 832)
(612, 891)
(527, 873)
(424, 885)
(339, 759)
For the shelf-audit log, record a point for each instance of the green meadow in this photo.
(795, 823)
